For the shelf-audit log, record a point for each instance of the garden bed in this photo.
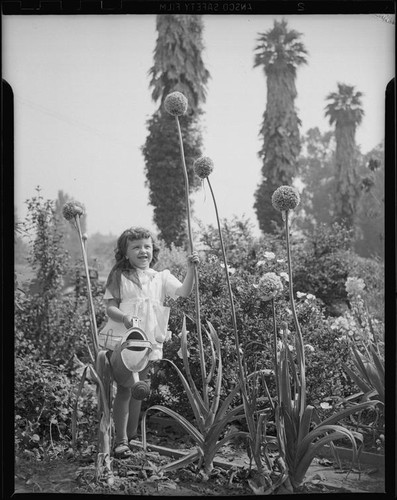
(140, 474)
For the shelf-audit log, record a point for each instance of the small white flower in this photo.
(260, 263)
(300, 294)
(325, 406)
(269, 255)
(285, 276)
(310, 296)
(280, 261)
(309, 348)
(288, 311)
(229, 268)
(354, 286)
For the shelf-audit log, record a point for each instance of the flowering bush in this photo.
(326, 348)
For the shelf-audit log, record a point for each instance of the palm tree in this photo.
(178, 66)
(280, 53)
(345, 111)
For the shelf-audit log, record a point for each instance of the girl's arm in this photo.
(115, 314)
(187, 286)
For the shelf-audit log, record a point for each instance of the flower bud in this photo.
(72, 209)
(175, 104)
(285, 198)
(203, 166)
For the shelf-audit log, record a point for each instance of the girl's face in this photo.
(140, 253)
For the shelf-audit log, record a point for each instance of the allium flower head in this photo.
(72, 209)
(203, 166)
(269, 286)
(354, 286)
(285, 198)
(176, 104)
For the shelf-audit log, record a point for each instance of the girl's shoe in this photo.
(121, 450)
(131, 440)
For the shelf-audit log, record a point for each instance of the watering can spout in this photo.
(130, 357)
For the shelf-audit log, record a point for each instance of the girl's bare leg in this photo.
(120, 412)
(135, 409)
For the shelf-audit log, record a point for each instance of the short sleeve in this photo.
(171, 284)
(108, 294)
(112, 290)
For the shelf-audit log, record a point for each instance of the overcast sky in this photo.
(82, 99)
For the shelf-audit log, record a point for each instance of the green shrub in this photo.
(44, 399)
(322, 263)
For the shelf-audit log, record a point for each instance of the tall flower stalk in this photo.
(203, 167)
(99, 367)
(176, 105)
(285, 199)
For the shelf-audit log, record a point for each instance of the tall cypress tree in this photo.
(178, 66)
(345, 111)
(280, 53)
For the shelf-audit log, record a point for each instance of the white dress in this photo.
(145, 303)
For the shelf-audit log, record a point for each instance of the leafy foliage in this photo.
(178, 65)
(323, 263)
(280, 53)
(44, 397)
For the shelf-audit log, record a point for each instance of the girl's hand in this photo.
(128, 321)
(193, 259)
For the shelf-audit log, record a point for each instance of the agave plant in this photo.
(367, 350)
(298, 441)
(211, 419)
(371, 373)
(99, 367)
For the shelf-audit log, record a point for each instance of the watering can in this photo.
(130, 357)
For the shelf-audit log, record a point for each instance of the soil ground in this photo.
(140, 475)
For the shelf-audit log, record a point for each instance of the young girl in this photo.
(134, 289)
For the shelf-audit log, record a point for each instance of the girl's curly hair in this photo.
(120, 253)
